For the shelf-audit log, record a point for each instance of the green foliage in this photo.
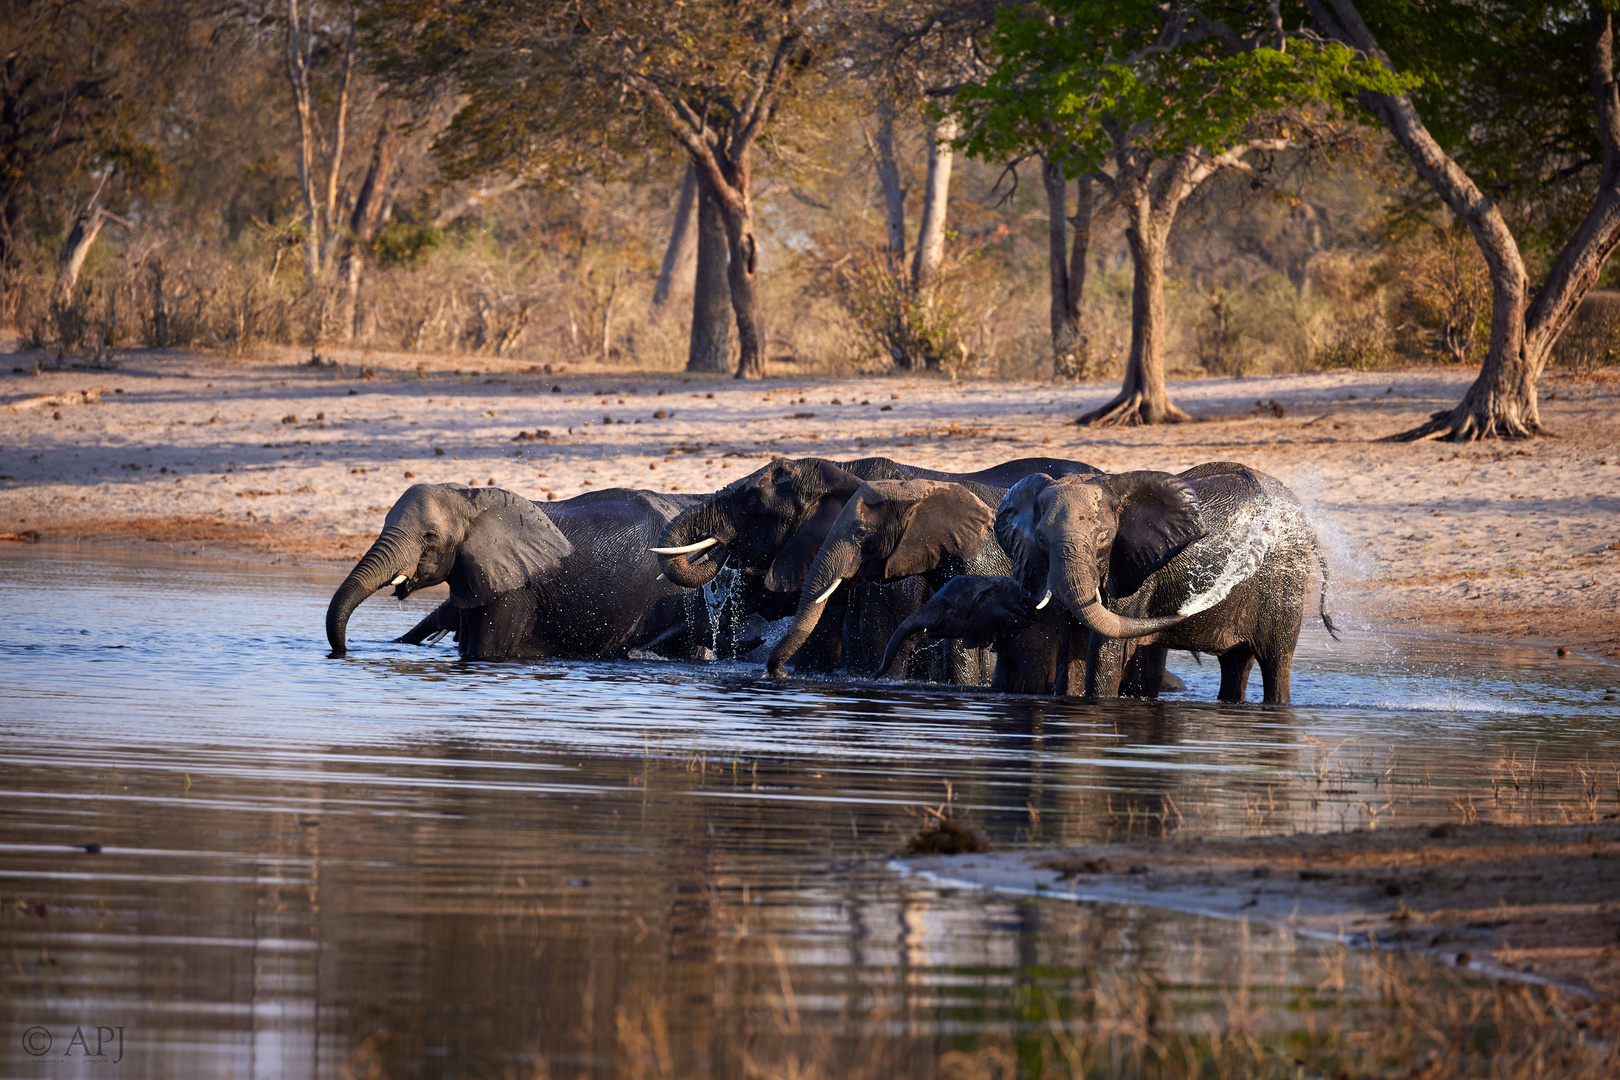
(1504, 86)
(405, 244)
(1088, 73)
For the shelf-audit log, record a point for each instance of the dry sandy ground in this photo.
(273, 457)
(1538, 902)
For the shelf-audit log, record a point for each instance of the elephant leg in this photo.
(1144, 675)
(502, 629)
(1236, 663)
(444, 619)
(1276, 658)
(1274, 645)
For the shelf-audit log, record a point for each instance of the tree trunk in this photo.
(1066, 269)
(1143, 399)
(743, 273)
(710, 346)
(369, 213)
(1502, 401)
(930, 253)
(894, 196)
(80, 238)
(682, 250)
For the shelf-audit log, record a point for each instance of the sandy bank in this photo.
(1534, 902)
(272, 457)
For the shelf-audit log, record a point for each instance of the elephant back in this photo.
(1255, 528)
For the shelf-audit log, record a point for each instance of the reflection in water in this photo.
(401, 861)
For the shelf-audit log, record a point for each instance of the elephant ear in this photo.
(1017, 516)
(793, 561)
(510, 544)
(947, 519)
(1158, 516)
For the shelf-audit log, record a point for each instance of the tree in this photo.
(1149, 100)
(1513, 112)
(1066, 263)
(585, 82)
(77, 77)
(321, 214)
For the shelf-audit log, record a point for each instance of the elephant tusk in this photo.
(1047, 599)
(660, 577)
(398, 581)
(822, 599)
(687, 550)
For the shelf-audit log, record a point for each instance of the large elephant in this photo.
(769, 526)
(571, 578)
(887, 531)
(1217, 559)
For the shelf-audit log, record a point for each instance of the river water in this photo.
(397, 864)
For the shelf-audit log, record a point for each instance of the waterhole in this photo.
(252, 860)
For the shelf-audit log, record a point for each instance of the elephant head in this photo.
(888, 530)
(483, 541)
(770, 522)
(1069, 539)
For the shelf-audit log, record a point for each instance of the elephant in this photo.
(769, 527)
(887, 531)
(571, 578)
(1217, 559)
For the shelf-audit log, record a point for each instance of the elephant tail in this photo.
(1321, 607)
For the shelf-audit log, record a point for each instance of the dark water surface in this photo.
(397, 864)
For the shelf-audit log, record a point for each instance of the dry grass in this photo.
(1390, 1017)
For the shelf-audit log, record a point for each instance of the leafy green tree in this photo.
(1508, 108)
(1150, 100)
(554, 86)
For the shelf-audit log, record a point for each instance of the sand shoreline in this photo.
(1529, 902)
(270, 457)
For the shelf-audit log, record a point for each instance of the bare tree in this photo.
(320, 206)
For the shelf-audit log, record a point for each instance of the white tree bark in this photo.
(930, 253)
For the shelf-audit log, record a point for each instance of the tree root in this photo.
(1468, 424)
(1132, 410)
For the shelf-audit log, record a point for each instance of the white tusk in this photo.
(822, 599)
(1047, 599)
(398, 581)
(687, 550)
(660, 577)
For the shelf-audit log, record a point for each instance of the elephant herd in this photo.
(1039, 575)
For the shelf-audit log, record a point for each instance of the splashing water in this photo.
(1245, 560)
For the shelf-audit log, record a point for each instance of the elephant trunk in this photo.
(1081, 595)
(385, 561)
(837, 561)
(705, 522)
(900, 649)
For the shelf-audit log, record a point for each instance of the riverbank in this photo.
(274, 457)
(1529, 902)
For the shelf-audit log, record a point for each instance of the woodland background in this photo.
(172, 135)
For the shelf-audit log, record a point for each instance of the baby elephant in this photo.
(979, 610)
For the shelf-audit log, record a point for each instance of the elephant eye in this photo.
(430, 538)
